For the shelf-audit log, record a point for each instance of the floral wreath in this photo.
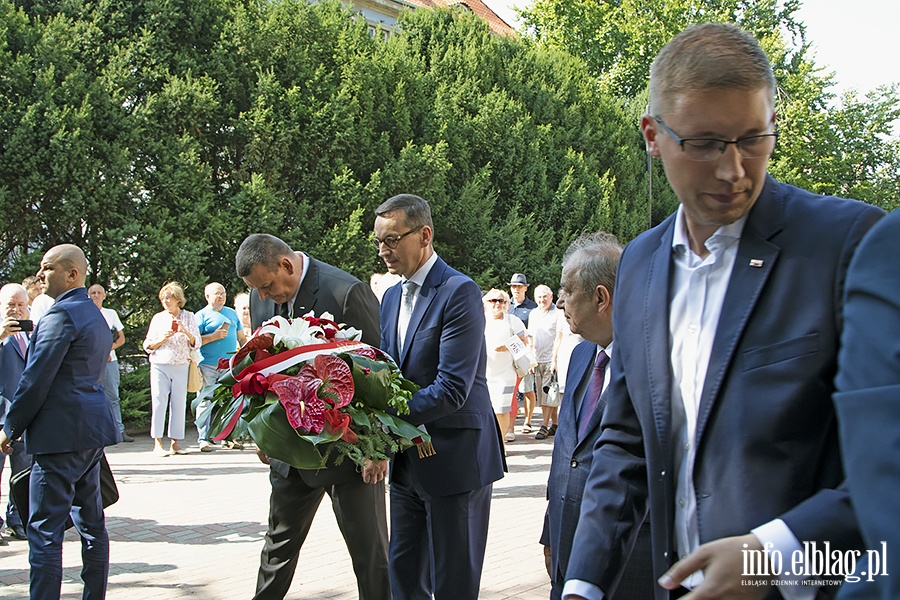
(303, 385)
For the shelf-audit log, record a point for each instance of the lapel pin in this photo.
(756, 262)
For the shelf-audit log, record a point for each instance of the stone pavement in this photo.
(192, 526)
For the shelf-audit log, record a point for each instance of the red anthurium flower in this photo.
(223, 364)
(331, 377)
(371, 353)
(262, 342)
(338, 422)
(273, 377)
(304, 409)
(367, 351)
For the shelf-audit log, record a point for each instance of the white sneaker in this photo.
(206, 447)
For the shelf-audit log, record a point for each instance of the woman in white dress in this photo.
(500, 372)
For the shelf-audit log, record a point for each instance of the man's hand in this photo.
(222, 332)
(262, 457)
(548, 560)
(9, 327)
(722, 564)
(373, 472)
(5, 443)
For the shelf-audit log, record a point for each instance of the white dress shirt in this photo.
(419, 279)
(697, 294)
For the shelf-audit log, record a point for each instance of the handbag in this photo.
(18, 483)
(522, 365)
(195, 378)
(519, 352)
(553, 397)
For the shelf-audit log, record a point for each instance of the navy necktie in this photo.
(592, 394)
(283, 310)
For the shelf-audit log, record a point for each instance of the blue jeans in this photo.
(210, 377)
(62, 485)
(111, 387)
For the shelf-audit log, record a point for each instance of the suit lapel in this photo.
(753, 264)
(427, 293)
(309, 291)
(390, 309)
(656, 334)
(582, 364)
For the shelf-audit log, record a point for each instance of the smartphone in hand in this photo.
(25, 324)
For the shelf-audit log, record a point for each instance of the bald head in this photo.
(63, 268)
(215, 295)
(71, 257)
(97, 294)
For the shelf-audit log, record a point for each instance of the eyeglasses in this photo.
(392, 241)
(705, 149)
(496, 300)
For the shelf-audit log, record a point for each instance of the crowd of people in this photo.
(686, 380)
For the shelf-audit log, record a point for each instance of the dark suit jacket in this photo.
(445, 354)
(868, 395)
(569, 470)
(571, 463)
(327, 289)
(766, 436)
(60, 405)
(12, 363)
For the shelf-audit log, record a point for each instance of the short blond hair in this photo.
(708, 56)
(173, 289)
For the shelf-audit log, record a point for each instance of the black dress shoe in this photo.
(126, 437)
(18, 532)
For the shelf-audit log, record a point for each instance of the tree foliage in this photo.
(157, 135)
(849, 147)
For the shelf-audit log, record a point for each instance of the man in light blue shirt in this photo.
(222, 334)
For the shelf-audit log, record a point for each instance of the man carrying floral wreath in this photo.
(433, 326)
(291, 284)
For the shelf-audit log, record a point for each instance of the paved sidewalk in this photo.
(192, 526)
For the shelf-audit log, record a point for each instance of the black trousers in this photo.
(361, 515)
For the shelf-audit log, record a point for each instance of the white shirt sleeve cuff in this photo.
(575, 588)
(784, 544)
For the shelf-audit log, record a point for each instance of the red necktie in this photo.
(592, 393)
